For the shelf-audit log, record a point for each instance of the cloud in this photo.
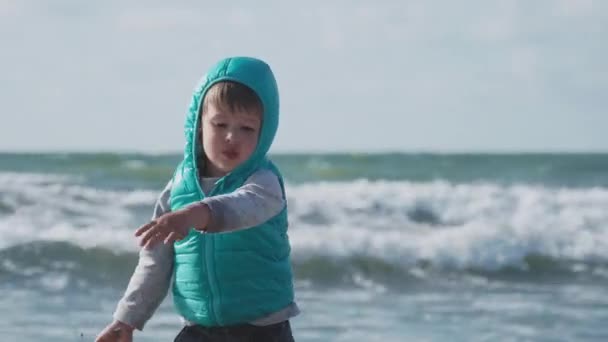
(524, 62)
(10, 11)
(10, 8)
(575, 8)
(155, 19)
(499, 23)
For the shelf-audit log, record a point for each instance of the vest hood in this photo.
(256, 75)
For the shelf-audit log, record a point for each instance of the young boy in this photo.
(220, 226)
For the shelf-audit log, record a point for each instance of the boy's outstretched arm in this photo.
(258, 200)
(254, 203)
(173, 226)
(149, 283)
(148, 286)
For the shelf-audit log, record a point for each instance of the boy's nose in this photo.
(229, 136)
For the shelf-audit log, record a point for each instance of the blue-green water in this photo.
(391, 247)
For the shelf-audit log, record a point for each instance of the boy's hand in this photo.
(116, 332)
(174, 226)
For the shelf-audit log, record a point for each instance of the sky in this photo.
(354, 76)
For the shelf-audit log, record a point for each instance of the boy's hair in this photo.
(232, 96)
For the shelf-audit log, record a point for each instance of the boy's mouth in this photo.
(230, 154)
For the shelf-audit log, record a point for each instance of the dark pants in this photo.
(280, 332)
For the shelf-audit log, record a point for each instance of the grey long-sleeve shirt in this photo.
(258, 200)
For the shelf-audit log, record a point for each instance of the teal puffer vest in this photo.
(230, 278)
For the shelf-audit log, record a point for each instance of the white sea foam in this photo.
(471, 225)
(55, 208)
(135, 164)
(467, 225)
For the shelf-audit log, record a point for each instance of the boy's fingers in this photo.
(153, 240)
(172, 237)
(147, 237)
(150, 234)
(145, 227)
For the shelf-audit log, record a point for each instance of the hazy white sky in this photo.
(353, 75)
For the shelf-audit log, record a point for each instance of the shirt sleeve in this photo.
(255, 202)
(150, 281)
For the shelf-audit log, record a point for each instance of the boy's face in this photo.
(229, 138)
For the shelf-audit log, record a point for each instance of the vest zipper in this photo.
(214, 305)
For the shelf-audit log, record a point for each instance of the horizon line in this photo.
(316, 152)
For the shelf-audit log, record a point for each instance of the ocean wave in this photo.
(481, 226)
(59, 208)
(56, 266)
(59, 266)
(484, 226)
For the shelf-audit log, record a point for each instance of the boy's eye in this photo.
(220, 124)
(248, 129)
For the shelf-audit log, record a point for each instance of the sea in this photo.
(385, 247)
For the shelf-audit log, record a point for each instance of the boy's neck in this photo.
(209, 171)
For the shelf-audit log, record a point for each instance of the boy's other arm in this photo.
(151, 279)
(255, 202)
